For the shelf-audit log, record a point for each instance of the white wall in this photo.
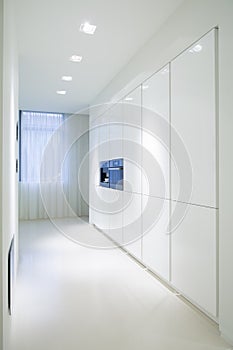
(9, 152)
(191, 20)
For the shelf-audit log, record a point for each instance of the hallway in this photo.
(70, 297)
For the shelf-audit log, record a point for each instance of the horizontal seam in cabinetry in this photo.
(167, 199)
(195, 204)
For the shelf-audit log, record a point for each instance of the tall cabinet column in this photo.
(194, 125)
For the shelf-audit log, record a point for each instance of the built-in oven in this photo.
(104, 174)
(116, 174)
(112, 173)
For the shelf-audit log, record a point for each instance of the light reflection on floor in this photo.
(74, 298)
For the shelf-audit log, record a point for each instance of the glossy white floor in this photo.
(70, 297)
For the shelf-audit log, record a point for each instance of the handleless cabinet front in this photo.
(132, 150)
(156, 135)
(193, 117)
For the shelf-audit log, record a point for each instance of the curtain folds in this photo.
(49, 184)
(31, 205)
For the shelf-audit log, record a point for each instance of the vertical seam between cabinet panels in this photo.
(216, 72)
(108, 115)
(78, 153)
(141, 194)
(123, 156)
(170, 194)
(19, 144)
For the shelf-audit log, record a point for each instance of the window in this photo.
(35, 131)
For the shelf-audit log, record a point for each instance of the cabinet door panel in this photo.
(103, 130)
(101, 209)
(132, 223)
(194, 256)
(155, 220)
(93, 169)
(116, 131)
(132, 141)
(101, 195)
(193, 118)
(116, 216)
(156, 134)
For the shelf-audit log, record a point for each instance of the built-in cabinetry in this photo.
(155, 163)
(166, 132)
(193, 105)
(156, 134)
(93, 169)
(132, 140)
(193, 118)
(156, 236)
(132, 223)
(132, 154)
(193, 256)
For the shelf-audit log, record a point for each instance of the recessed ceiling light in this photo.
(75, 58)
(129, 99)
(144, 87)
(61, 92)
(196, 48)
(67, 78)
(87, 28)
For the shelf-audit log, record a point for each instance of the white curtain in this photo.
(43, 136)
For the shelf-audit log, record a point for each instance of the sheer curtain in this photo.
(35, 131)
(43, 136)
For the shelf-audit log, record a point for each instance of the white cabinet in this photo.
(94, 153)
(103, 130)
(116, 151)
(93, 137)
(132, 173)
(155, 135)
(193, 117)
(93, 168)
(193, 252)
(155, 222)
(116, 216)
(101, 209)
(166, 166)
(116, 131)
(132, 151)
(99, 195)
(132, 223)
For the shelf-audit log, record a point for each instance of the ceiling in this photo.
(48, 34)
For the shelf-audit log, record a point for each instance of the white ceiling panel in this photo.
(48, 34)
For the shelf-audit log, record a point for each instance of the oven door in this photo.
(116, 178)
